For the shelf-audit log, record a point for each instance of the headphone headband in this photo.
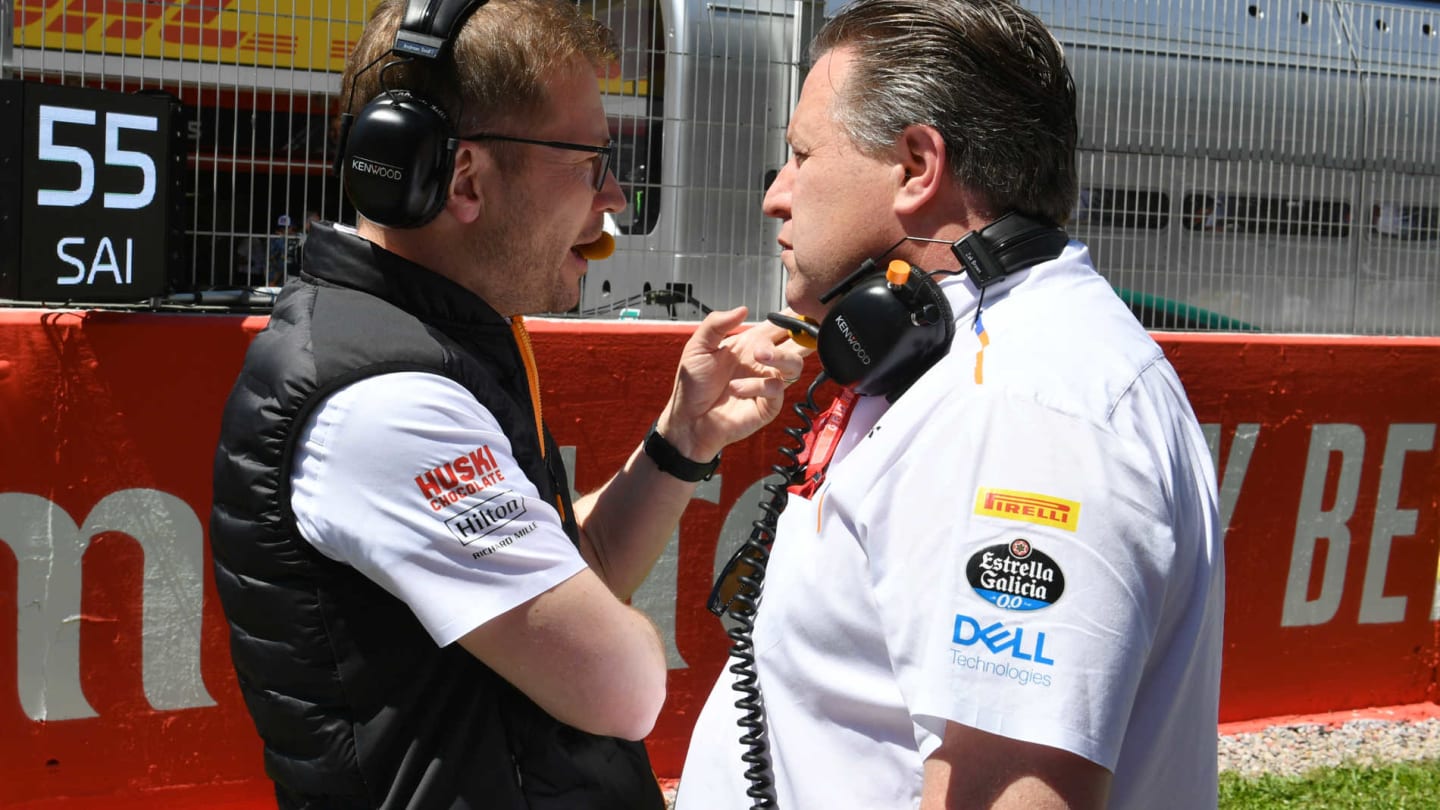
(888, 328)
(397, 155)
(1008, 245)
(429, 26)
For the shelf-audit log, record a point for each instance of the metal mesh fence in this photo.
(1266, 165)
(1271, 165)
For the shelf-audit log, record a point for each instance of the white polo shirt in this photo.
(1035, 554)
(408, 479)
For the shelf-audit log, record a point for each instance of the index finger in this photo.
(716, 326)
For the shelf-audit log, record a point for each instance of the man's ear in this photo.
(922, 159)
(466, 200)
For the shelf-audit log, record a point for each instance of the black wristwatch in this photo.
(670, 461)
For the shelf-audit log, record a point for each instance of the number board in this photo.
(97, 215)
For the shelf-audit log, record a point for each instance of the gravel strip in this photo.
(1292, 750)
(1295, 749)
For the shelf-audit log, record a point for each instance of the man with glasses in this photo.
(420, 616)
(602, 166)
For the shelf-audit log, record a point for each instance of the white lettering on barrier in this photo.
(739, 525)
(1314, 523)
(1391, 522)
(1236, 465)
(658, 594)
(48, 548)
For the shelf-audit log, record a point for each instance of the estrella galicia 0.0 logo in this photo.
(1015, 576)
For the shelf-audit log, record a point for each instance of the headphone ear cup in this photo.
(880, 339)
(400, 153)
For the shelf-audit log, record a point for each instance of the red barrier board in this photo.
(1329, 482)
(115, 680)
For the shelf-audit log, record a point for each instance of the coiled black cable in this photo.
(748, 570)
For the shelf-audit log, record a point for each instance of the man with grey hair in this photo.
(1002, 585)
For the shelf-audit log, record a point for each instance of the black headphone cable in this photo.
(745, 572)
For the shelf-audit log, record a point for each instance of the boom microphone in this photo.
(601, 248)
(804, 331)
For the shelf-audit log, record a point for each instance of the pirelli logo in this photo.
(1030, 507)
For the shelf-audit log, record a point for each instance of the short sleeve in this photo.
(1019, 587)
(410, 480)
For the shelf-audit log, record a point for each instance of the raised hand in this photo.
(728, 386)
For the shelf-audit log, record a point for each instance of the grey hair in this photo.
(986, 74)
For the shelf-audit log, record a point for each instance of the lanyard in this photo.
(821, 442)
(532, 376)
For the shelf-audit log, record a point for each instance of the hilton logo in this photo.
(481, 520)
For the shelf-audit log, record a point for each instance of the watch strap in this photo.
(672, 462)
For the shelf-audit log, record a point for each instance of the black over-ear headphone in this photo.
(888, 329)
(397, 154)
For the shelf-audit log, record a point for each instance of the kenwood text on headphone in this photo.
(396, 155)
(888, 328)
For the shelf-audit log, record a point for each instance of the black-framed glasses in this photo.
(606, 152)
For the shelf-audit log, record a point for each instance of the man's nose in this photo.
(777, 197)
(611, 197)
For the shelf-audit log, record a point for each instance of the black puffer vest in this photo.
(356, 705)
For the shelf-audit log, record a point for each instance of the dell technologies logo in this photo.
(374, 169)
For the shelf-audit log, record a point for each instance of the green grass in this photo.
(1396, 786)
